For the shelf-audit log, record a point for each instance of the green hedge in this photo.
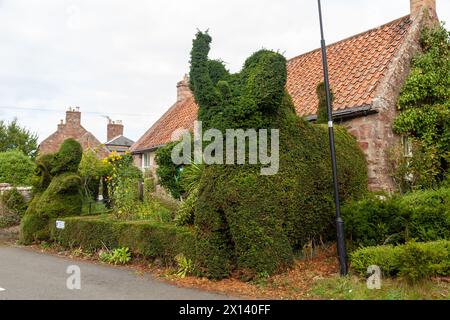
(12, 208)
(413, 260)
(421, 216)
(147, 239)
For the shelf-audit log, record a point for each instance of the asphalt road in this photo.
(29, 275)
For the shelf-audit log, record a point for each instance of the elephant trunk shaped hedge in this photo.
(246, 221)
(57, 191)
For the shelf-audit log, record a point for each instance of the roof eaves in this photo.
(348, 113)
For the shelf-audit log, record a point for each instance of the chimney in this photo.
(183, 91)
(114, 129)
(73, 117)
(417, 6)
(61, 124)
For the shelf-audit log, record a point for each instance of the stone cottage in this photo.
(367, 72)
(72, 128)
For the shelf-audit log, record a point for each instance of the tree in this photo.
(425, 104)
(16, 168)
(12, 136)
(91, 170)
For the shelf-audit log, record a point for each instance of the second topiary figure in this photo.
(57, 191)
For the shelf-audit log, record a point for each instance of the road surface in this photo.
(26, 274)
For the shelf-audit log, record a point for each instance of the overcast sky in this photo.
(123, 58)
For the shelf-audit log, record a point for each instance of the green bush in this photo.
(153, 210)
(421, 216)
(167, 171)
(116, 256)
(91, 170)
(386, 257)
(429, 214)
(16, 168)
(58, 192)
(122, 184)
(143, 238)
(414, 260)
(251, 222)
(424, 102)
(12, 208)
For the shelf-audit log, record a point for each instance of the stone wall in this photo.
(25, 191)
(375, 137)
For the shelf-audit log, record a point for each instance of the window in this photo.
(407, 147)
(146, 160)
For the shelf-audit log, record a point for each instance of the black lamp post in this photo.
(342, 253)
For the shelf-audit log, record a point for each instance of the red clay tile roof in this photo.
(356, 67)
(180, 116)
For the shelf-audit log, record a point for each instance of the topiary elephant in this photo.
(57, 191)
(248, 222)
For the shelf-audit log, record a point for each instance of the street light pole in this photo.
(342, 253)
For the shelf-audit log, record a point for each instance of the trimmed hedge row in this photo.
(421, 216)
(147, 239)
(413, 260)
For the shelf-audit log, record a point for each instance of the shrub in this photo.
(91, 170)
(424, 102)
(122, 184)
(373, 221)
(62, 197)
(167, 171)
(414, 261)
(154, 211)
(16, 168)
(149, 187)
(251, 222)
(386, 257)
(116, 256)
(421, 216)
(185, 266)
(186, 211)
(143, 238)
(423, 260)
(12, 208)
(429, 212)
(190, 180)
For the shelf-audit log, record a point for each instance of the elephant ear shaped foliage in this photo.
(265, 74)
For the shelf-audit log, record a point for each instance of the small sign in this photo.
(60, 224)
